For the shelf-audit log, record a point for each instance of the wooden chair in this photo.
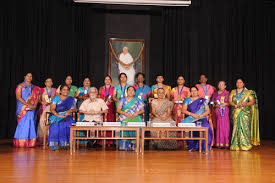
(47, 125)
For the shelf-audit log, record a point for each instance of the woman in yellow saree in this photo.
(245, 117)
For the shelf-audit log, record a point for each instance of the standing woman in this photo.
(61, 119)
(206, 91)
(167, 89)
(178, 95)
(45, 98)
(82, 94)
(245, 117)
(220, 99)
(120, 89)
(106, 92)
(27, 96)
(72, 88)
(143, 92)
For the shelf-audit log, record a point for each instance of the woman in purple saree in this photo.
(61, 119)
(197, 109)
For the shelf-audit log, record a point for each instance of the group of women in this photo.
(159, 103)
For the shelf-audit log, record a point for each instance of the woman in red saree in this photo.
(106, 92)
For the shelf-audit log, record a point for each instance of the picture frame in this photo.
(126, 56)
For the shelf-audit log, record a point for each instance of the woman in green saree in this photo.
(245, 117)
(130, 109)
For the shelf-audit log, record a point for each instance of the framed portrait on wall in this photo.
(126, 56)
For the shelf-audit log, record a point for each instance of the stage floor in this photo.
(36, 165)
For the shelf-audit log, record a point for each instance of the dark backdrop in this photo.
(58, 37)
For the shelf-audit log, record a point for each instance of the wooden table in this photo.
(92, 132)
(163, 134)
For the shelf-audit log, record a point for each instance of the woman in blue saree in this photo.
(197, 110)
(130, 109)
(143, 92)
(60, 120)
(27, 96)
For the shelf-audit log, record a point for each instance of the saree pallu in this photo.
(25, 135)
(143, 93)
(111, 111)
(120, 93)
(130, 107)
(59, 131)
(198, 107)
(245, 122)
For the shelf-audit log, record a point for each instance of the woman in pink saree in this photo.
(178, 95)
(220, 100)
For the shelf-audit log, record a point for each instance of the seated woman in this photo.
(245, 117)
(60, 120)
(197, 110)
(162, 111)
(130, 109)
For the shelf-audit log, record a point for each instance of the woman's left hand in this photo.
(133, 116)
(244, 104)
(31, 107)
(200, 116)
(67, 113)
(223, 105)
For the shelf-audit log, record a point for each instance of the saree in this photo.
(130, 107)
(155, 88)
(59, 131)
(106, 94)
(245, 122)
(161, 108)
(198, 107)
(178, 95)
(25, 134)
(143, 93)
(221, 115)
